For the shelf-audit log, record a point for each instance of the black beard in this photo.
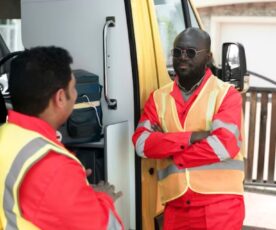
(190, 79)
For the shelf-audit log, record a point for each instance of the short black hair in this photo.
(35, 75)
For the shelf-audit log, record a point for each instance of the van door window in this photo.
(170, 18)
(10, 30)
(194, 21)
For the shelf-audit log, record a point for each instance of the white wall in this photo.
(204, 3)
(257, 34)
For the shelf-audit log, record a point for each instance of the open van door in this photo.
(156, 24)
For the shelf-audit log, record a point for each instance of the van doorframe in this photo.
(137, 113)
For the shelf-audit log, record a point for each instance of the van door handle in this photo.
(110, 22)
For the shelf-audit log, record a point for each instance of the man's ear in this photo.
(59, 98)
(209, 57)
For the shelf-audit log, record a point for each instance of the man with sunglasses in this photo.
(192, 126)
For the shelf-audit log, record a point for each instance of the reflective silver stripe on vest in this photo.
(113, 223)
(239, 143)
(9, 200)
(218, 147)
(140, 143)
(233, 128)
(146, 124)
(229, 164)
(163, 173)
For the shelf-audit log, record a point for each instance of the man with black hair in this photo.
(193, 127)
(42, 184)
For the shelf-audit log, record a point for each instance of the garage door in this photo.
(257, 34)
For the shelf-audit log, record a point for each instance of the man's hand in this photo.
(198, 136)
(88, 172)
(157, 128)
(107, 188)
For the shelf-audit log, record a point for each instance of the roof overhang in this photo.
(210, 3)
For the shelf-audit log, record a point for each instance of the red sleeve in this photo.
(225, 139)
(152, 144)
(64, 199)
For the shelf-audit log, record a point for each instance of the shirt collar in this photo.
(176, 92)
(34, 124)
(192, 89)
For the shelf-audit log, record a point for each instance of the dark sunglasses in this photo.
(189, 52)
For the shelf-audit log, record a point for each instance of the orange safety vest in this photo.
(224, 177)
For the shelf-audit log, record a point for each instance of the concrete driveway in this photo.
(260, 211)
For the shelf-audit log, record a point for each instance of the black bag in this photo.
(92, 158)
(85, 122)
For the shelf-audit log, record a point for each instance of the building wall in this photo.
(249, 9)
(251, 24)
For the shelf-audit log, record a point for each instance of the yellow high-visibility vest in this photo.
(225, 177)
(17, 156)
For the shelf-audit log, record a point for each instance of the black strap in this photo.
(8, 57)
(3, 109)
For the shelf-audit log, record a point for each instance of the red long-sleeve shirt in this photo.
(54, 193)
(177, 145)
